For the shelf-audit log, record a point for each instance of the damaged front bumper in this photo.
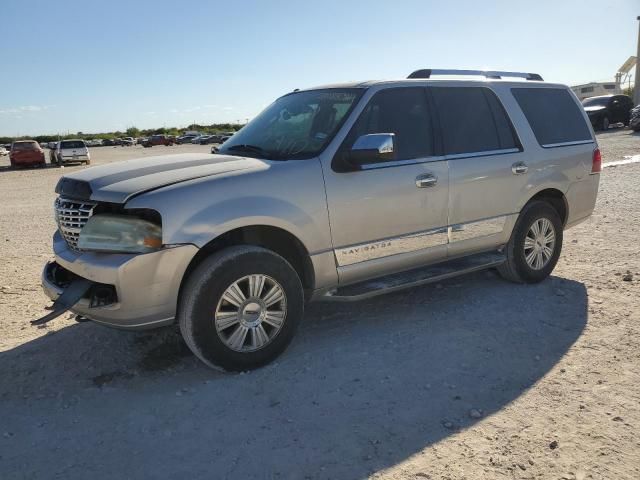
(130, 291)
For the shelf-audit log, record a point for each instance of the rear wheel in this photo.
(535, 244)
(604, 123)
(240, 308)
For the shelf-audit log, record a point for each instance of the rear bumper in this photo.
(146, 285)
(27, 162)
(78, 158)
(581, 199)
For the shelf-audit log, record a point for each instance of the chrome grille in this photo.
(71, 216)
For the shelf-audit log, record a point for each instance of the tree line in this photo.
(131, 132)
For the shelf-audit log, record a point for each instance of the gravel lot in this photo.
(474, 378)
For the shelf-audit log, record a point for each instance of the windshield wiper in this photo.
(243, 147)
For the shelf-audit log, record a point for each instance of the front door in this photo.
(391, 215)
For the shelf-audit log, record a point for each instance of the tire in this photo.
(228, 335)
(516, 267)
(604, 123)
(88, 162)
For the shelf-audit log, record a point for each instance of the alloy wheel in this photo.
(250, 313)
(539, 244)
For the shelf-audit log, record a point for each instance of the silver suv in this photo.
(334, 193)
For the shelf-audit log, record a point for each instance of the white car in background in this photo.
(70, 151)
(3, 151)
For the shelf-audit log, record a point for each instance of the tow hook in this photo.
(71, 295)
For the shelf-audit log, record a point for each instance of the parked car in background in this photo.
(634, 120)
(108, 142)
(93, 143)
(155, 140)
(52, 144)
(208, 139)
(185, 138)
(26, 153)
(230, 248)
(3, 151)
(128, 141)
(608, 109)
(70, 151)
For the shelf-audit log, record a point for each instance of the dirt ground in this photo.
(473, 378)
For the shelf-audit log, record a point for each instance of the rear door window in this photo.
(404, 112)
(554, 116)
(472, 120)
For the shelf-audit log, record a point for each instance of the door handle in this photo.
(427, 180)
(519, 168)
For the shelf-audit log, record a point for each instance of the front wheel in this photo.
(535, 244)
(240, 308)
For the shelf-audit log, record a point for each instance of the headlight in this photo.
(119, 233)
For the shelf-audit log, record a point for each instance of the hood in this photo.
(119, 181)
(594, 108)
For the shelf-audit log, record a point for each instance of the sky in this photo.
(90, 66)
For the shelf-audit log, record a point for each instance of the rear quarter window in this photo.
(553, 115)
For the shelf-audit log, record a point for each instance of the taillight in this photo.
(596, 163)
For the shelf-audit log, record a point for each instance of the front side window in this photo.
(472, 120)
(553, 114)
(403, 112)
(296, 126)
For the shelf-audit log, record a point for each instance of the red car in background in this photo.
(26, 153)
(166, 140)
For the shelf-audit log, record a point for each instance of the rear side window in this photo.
(472, 120)
(402, 111)
(553, 115)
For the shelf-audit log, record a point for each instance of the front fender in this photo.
(289, 195)
(210, 222)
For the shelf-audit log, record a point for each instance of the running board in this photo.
(414, 278)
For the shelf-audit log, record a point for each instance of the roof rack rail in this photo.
(429, 72)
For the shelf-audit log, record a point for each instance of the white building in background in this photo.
(622, 80)
(594, 89)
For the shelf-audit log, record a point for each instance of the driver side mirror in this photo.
(371, 148)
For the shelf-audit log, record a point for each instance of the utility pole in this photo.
(636, 89)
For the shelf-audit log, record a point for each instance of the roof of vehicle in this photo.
(24, 141)
(600, 96)
(435, 81)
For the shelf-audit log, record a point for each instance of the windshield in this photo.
(595, 102)
(23, 146)
(72, 144)
(298, 125)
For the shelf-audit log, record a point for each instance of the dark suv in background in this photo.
(607, 109)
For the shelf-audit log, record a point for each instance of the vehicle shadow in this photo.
(9, 168)
(363, 387)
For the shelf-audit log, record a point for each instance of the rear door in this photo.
(487, 171)
(385, 218)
